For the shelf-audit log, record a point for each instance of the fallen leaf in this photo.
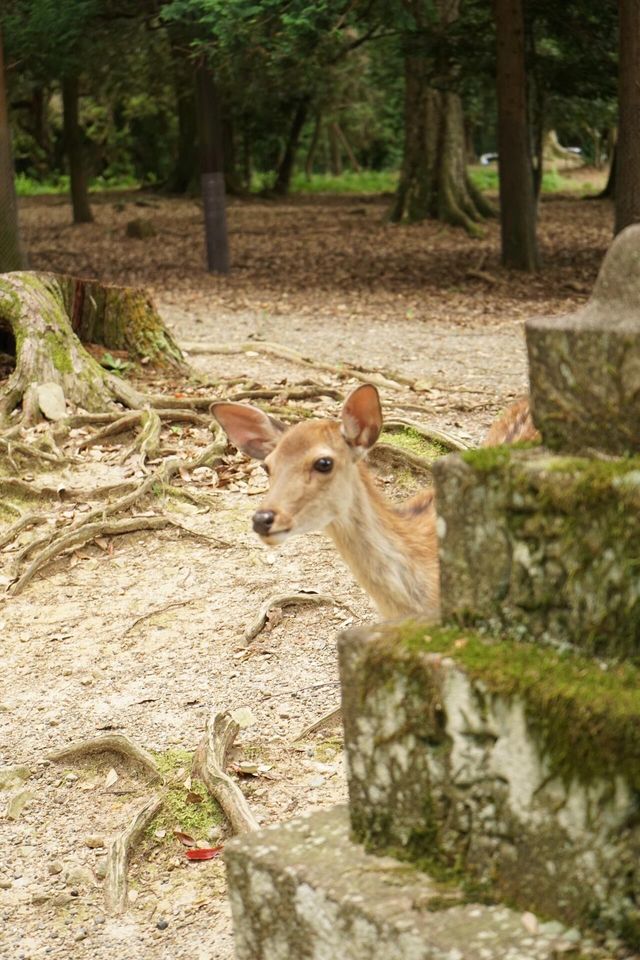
(184, 838)
(194, 797)
(112, 777)
(203, 853)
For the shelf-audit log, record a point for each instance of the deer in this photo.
(319, 481)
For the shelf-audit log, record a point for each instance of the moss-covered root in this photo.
(52, 366)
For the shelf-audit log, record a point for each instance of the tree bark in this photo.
(75, 153)
(434, 182)
(186, 163)
(212, 170)
(627, 195)
(47, 315)
(517, 196)
(355, 166)
(12, 256)
(313, 147)
(609, 191)
(285, 169)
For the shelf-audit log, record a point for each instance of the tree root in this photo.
(80, 536)
(429, 433)
(151, 613)
(116, 886)
(95, 522)
(302, 393)
(324, 721)
(114, 742)
(28, 520)
(148, 440)
(208, 765)
(381, 378)
(287, 600)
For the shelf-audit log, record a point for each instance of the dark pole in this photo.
(212, 170)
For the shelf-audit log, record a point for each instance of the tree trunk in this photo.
(434, 181)
(335, 156)
(186, 163)
(313, 147)
(212, 170)
(609, 191)
(285, 169)
(517, 197)
(47, 315)
(11, 254)
(627, 196)
(75, 153)
(355, 166)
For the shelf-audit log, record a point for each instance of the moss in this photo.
(407, 438)
(178, 812)
(585, 713)
(328, 750)
(59, 352)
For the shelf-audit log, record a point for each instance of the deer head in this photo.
(311, 466)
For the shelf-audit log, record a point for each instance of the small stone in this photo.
(215, 832)
(61, 899)
(162, 924)
(101, 868)
(284, 710)
(51, 401)
(79, 876)
(54, 867)
(5, 884)
(17, 802)
(551, 928)
(40, 896)
(316, 782)
(81, 935)
(94, 842)
(573, 935)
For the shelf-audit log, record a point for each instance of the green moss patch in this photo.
(585, 713)
(181, 811)
(407, 438)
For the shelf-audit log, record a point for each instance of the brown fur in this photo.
(391, 549)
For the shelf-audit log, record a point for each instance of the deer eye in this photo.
(323, 465)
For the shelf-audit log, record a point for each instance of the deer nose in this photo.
(263, 521)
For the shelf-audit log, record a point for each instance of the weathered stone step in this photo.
(584, 368)
(305, 891)
(512, 762)
(543, 546)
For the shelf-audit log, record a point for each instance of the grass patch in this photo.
(407, 438)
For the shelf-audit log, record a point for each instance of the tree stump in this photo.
(43, 320)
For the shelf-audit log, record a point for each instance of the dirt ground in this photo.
(144, 634)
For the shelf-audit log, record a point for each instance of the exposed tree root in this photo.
(209, 766)
(301, 393)
(116, 886)
(381, 378)
(429, 433)
(28, 520)
(80, 536)
(151, 613)
(325, 720)
(287, 600)
(114, 742)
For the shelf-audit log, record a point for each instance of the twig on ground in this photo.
(116, 887)
(208, 765)
(324, 721)
(152, 613)
(302, 393)
(115, 742)
(287, 600)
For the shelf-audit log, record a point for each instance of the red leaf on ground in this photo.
(203, 853)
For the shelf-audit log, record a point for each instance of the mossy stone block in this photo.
(508, 768)
(585, 367)
(542, 546)
(304, 890)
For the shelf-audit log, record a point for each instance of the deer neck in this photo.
(392, 555)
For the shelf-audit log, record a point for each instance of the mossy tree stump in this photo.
(45, 318)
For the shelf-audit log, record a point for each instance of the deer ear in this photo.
(248, 428)
(362, 418)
